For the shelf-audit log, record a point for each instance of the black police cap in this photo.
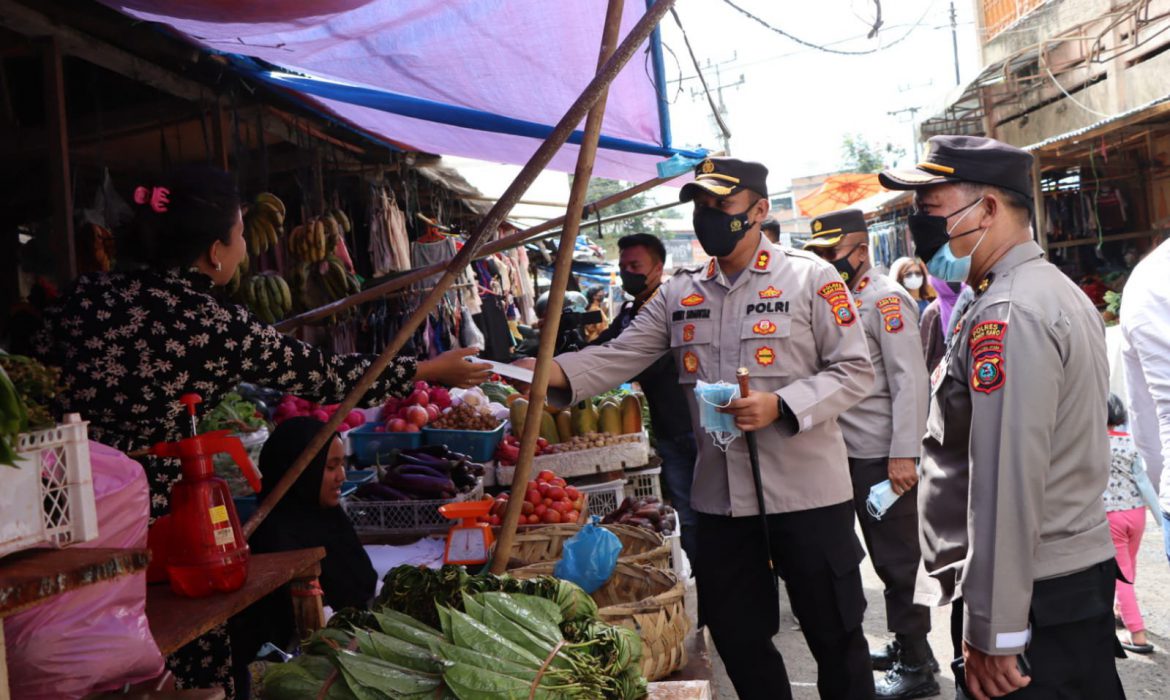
(966, 159)
(726, 176)
(828, 229)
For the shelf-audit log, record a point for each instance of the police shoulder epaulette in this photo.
(689, 270)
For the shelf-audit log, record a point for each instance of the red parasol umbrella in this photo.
(839, 191)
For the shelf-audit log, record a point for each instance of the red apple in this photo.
(543, 488)
(418, 397)
(432, 412)
(556, 493)
(561, 506)
(396, 425)
(551, 517)
(572, 516)
(417, 415)
(571, 493)
(411, 428)
(534, 519)
(533, 497)
(545, 475)
(540, 510)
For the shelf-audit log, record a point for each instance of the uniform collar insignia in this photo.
(763, 258)
(712, 269)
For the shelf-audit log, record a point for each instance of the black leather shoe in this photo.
(904, 682)
(883, 659)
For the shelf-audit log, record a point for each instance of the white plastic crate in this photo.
(644, 483)
(403, 517)
(47, 500)
(604, 498)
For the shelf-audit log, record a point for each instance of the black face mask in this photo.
(846, 269)
(717, 232)
(930, 232)
(633, 283)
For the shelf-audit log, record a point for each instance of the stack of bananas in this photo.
(13, 419)
(268, 295)
(317, 238)
(316, 284)
(263, 223)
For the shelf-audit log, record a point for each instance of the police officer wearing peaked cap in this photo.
(883, 434)
(786, 316)
(1015, 456)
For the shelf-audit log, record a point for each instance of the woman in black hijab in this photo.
(309, 515)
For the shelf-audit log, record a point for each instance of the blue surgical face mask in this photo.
(933, 238)
(881, 498)
(720, 426)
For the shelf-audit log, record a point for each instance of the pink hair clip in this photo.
(157, 197)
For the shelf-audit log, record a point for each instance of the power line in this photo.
(710, 100)
(826, 48)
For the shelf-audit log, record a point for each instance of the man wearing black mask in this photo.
(786, 315)
(642, 259)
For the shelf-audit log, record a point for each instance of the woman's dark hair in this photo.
(201, 205)
(281, 450)
(1117, 413)
(596, 293)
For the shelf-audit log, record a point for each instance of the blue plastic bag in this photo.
(589, 557)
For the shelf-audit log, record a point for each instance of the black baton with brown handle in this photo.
(742, 377)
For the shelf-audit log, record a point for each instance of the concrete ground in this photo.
(1142, 676)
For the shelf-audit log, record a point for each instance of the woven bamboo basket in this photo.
(544, 545)
(649, 601)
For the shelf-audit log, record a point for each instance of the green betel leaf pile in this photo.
(544, 643)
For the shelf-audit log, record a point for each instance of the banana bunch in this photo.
(264, 223)
(319, 283)
(317, 238)
(13, 419)
(268, 295)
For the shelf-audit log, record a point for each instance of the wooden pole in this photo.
(417, 275)
(564, 128)
(60, 183)
(556, 298)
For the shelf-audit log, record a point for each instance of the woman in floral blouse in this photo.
(129, 344)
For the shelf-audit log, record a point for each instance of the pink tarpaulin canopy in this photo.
(522, 59)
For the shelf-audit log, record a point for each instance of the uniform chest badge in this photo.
(762, 260)
(837, 297)
(688, 332)
(690, 362)
(770, 293)
(891, 310)
(764, 327)
(693, 300)
(988, 366)
(862, 284)
(765, 356)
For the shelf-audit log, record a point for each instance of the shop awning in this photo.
(483, 79)
(1150, 110)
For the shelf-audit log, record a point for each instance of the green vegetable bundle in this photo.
(13, 419)
(234, 413)
(36, 387)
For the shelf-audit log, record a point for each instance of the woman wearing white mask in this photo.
(911, 274)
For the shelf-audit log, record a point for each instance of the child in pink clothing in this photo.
(1126, 511)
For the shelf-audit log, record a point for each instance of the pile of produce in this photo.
(233, 413)
(492, 644)
(646, 512)
(26, 389)
(591, 441)
(431, 472)
(467, 417)
(508, 451)
(293, 406)
(267, 295)
(610, 416)
(315, 284)
(408, 415)
(549, 500)
(317, 238)
(263, 223)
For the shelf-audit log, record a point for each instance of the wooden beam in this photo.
(60, 183)
(24, 20)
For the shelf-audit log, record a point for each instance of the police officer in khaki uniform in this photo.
(883, 434)
(787, 316)
(1015, 458)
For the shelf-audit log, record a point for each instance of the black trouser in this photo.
(817, 554)
(1073, 651)
(893, 547)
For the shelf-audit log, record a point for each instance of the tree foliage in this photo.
(860, 155)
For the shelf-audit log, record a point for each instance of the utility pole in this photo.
(913, 126)
(954, 42)
(720, 109)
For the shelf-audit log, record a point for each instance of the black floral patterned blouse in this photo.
(130, 344)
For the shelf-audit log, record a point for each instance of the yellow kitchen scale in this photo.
(468, 541)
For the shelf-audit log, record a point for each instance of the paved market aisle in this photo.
(1142, 676)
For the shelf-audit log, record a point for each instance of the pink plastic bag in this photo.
(95, 638)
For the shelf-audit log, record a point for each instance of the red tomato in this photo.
(543, 488)
(551, 517)
(572, 493)
(540, 510)
(546, 476)
(533, 496)
(562, 506)
(533, 519)
(556, 493)
(527, 508)
(572, 516)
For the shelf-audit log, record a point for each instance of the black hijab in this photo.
(298, 521)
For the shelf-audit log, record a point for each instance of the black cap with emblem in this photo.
(723, 177)
(966, 159)
(828, 229)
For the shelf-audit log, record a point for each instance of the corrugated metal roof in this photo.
(1128, 114)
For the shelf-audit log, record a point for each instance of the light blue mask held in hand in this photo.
(881, 498)
(721, 426)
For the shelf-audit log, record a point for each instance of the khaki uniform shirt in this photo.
(891, 419)
(790, 320)
(1016, 455)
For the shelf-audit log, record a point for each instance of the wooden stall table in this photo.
(33, 577)
(175, 620)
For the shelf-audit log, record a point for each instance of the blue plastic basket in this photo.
(370, 447)
(480, 445)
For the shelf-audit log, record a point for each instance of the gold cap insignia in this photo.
(708, 166)
(817, 226)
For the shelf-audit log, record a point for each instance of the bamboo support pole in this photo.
(538, 391)
(560, 134)
(419, 274)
